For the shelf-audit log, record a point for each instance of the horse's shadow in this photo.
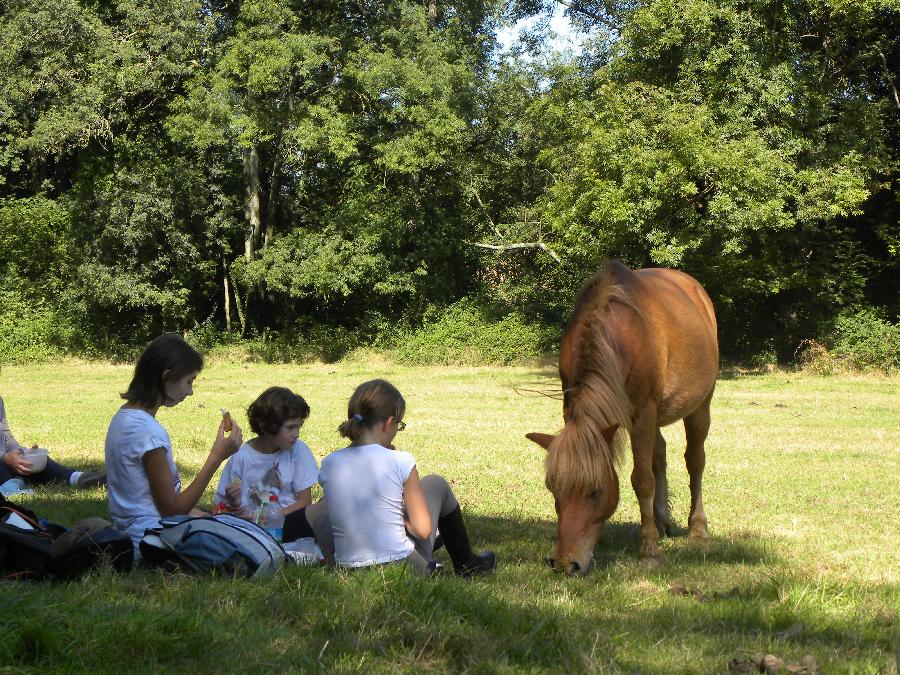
(529, 540)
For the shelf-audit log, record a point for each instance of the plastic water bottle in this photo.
(274, 519)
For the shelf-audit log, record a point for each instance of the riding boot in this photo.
(452, 528)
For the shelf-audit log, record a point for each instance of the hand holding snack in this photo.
(227, 420)
(233, 493)
(15, 460)
(229, 438)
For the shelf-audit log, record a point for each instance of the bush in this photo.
(863, 341)
(765, 361)
(302, 343)
(312, 342)
(815, 358)
(464, 334)
(866, 341)
(29, 330)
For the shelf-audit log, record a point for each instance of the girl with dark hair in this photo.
(143, 481)
(379, 509)
(275, 462)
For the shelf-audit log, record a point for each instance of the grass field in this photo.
(802, 491)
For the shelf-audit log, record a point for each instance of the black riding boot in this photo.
(452, 529)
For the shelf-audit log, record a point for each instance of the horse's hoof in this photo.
(699, 535)
(650, 549)
(652, 562)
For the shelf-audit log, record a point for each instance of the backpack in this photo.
(32, 548)
(221, 542)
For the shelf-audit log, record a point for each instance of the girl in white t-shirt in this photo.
(142, 480)
(379, 509)
(275, 462)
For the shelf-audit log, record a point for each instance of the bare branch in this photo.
(512, 247)
(889, 78)
(576, 7)
(487, 214)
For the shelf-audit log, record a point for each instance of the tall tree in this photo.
(740, 141)
(342, 117)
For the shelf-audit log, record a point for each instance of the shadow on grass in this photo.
(519, 540)
(383, 620)
(64, 504)
(533, 540)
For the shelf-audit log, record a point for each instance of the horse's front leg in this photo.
(661, 508)
(643, 440)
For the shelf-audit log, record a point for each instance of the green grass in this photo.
(802, 491)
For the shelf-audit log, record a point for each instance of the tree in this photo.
(738, 141)
(344, 120)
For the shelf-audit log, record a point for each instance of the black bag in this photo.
(32, 548)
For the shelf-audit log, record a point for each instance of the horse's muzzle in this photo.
(572, 568)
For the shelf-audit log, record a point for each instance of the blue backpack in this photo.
(222, 542)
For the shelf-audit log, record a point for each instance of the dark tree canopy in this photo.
(271, 165)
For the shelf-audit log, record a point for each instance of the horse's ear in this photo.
(542, 440)
(609, 433)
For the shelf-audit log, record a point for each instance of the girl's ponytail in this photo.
(352, 428)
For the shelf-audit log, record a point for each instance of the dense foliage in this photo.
(342, 172)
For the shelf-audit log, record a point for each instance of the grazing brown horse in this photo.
(640, 352)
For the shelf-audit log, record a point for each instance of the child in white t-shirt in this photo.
(275, 462)
(142, 479)
(379, 509)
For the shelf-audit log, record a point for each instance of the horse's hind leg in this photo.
(696, 428)
(661, 509)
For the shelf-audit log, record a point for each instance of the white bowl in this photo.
(38, 459)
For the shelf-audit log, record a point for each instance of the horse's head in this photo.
(584, 500)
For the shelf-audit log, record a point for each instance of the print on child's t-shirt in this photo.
(269, 484)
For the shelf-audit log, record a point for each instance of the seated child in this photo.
(379, 509)
(275, 462)
(144, 481)
(14, 464)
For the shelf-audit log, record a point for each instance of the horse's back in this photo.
(674, 345)
(682, 301)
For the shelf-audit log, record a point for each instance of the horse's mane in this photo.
(579, 459)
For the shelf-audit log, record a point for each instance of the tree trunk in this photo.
(227, 296)
(241, 312)
(432, 13)
(272, 205)
(252, 202)
(252, 212)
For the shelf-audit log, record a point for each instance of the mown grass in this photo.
(802, 491)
